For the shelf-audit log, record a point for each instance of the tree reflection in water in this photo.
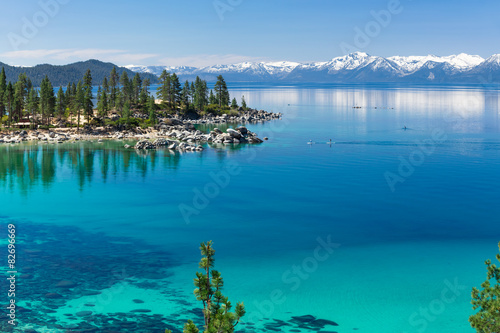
(23, 166)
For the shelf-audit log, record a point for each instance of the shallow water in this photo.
(411, 216)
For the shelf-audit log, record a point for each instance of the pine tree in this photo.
(68, 93)
(61, 102)
(164, 90)
(126, 87)
(99, 101)
(113, 83)
(243, 103)
(29, 85)
(21, 88)
(3, 87)
(120, 102)
(18, 101)
(234, 104)
(99, 93)
(136, 88)
(105, 85)
(145, 84)
(212, 99)
(186, 93)
(193, 91)
(143, 98)
(32, 106)
(487, 300)
(9, 101)
(72, 100)
(47, 99)
(126, 110)
(221, 92)
(152, 110)
(144, 95)
(201, 92)
(88, 106)
(103, 112)
(79, 102)
(176, 90)
(216, 306)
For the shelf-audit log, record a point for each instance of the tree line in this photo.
(195, 95)
(22, 101)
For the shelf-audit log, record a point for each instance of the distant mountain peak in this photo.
(358, 54)
(494, 59)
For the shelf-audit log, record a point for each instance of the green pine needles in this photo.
(216, 307)
(487, 300)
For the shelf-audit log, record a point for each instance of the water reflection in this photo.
(25, 166)
(468, 103)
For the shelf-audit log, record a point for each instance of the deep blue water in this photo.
(412, 213)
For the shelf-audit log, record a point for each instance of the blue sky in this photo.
(209, 32)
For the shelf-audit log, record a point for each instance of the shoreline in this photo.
(176, 133)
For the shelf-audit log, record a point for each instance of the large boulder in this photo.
(144, 144)
(242, 129)
(161, 142)
(234, 134)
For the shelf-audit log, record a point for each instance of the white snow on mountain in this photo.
(157, 70)
(347, 62)
(459, 62)
(280, 67)
(397, 66)
(350, 61)
(493, 60)
(240, 67)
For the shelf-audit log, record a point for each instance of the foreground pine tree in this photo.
(487, 319)
(216, 307)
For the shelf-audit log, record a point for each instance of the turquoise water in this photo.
(409, 215)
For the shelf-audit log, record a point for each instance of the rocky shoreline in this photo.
(175, 133)
(243, 117)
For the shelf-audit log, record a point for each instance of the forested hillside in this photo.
(62, 75)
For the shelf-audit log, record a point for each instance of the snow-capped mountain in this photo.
(354, 67)
(461, 62)
(157, 70)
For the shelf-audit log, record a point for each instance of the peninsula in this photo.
(126, 109)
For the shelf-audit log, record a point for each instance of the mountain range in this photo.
(355, 67)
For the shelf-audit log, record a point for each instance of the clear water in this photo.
(406, 251)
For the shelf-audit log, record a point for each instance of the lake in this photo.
(385, 229)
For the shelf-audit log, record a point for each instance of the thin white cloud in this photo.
(202, 60)
(119, 57)
(64, 56)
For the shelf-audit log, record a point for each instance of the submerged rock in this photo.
(83, 313)
(141, 310)
(65, 284)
